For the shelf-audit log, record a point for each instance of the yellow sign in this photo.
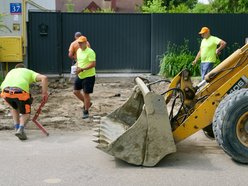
(11, 49)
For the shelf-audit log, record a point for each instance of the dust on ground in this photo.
(64, 111)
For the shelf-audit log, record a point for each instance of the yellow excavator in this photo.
(148, 125)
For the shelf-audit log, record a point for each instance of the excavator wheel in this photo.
(208, 131)
(230, 125)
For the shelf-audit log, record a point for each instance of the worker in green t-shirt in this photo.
(85, 80)
(208, 50)
(15, 92)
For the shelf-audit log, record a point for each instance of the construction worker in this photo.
(208, 50)
(15, 92)
(74, 47)
(85, 80)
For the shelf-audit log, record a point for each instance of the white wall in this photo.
(10, 19)
(48, 4)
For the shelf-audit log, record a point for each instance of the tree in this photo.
(153, 6)
(188, 3)
(181, 8)
(229, 6)
(202, 8)
(171, 6)
(187, 6)
(69, 6)
(175, 3)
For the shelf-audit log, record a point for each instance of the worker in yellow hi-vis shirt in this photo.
(85, 80)
(208, 50)
(15, 92)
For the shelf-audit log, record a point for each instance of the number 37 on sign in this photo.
(15, 8)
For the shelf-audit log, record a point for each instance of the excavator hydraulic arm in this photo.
(147, 127)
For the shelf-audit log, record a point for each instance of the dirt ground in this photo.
(64, 111)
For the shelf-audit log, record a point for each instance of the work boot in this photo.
(85, 114)
(21, 134)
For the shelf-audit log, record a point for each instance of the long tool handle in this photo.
(36, 116)
(41, 127)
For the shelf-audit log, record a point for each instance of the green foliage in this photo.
(188, 3)
(175, 3)
(191, 6)
(181, 8)
(171, 6)
(202, 8)
(177, 58)
(69, 6)
(229, 6)
(231, 48)
(153, 6)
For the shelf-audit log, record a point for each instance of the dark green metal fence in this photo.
(123, 42)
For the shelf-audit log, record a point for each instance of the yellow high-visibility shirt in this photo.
(20, 78)
(208, 49)
(84, 58)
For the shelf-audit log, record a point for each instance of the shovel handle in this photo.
(41, 127)
(37, 115)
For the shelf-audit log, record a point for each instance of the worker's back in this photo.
(20, 78)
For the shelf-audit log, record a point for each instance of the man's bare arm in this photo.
(44, 84)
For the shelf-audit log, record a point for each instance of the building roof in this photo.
(127, 6)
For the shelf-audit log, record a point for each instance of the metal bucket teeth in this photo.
(138, 132)
(103, 134)
(96, 140)
(97, 130)
(96, 135)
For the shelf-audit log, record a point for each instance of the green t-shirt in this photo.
(84, 58)
(208, 49)
(20, 78)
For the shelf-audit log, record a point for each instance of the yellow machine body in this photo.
(141, 132)
(223, 79)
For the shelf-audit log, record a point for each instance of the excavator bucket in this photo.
(139, 132)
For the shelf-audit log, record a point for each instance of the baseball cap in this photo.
(77, 34)
(82, 39)
(204, 30)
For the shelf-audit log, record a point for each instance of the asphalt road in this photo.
(71, 159)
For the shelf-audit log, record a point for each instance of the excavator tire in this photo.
(230, 125)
